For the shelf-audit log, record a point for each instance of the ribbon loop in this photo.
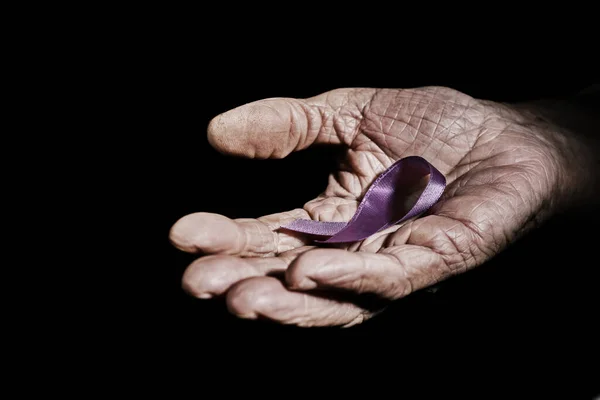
(390, 200)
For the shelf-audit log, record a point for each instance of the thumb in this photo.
(270, 128)
(275, 127)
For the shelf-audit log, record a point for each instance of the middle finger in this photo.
(213, 275)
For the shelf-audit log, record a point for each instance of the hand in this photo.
(506, 170)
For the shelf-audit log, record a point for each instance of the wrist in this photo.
(573, 128)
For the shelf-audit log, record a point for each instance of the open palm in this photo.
(505, 172)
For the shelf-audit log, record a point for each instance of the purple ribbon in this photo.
(391, 199)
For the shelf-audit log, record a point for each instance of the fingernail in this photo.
(205, 296)
(247, 316)
(306, 284)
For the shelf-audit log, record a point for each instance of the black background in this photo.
(142, 83)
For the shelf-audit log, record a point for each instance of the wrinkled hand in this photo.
(506, 170)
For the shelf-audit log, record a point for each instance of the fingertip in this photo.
(195, 232)
(296, 275)
(213, 275)
(178, 235)
(216, 134)
(306, 268)
(301, 283)
(247, 298)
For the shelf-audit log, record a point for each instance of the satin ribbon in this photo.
(384, 204)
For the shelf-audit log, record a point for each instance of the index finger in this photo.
(208, 233)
